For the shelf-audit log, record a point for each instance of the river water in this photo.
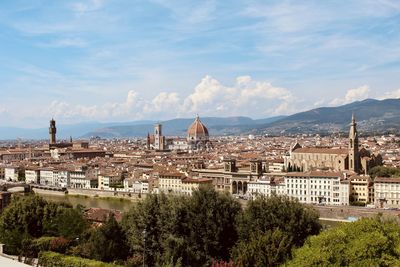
(119, 204)
(92, 202)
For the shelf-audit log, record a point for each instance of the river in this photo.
(92, 202)
(120, 204)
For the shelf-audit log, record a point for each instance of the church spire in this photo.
(354, 157)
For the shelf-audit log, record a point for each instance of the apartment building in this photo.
(387, 192)
(318, 187)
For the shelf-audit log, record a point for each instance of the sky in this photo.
(128, 60)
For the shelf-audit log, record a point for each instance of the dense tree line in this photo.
(170, 230)
(368, 242)
(382, 171)
(28, 218)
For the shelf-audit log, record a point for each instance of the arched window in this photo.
(351, 143)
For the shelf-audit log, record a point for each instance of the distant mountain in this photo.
(63, 131)
(372, 116)
(178, 127)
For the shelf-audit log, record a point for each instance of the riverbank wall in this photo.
(344, 212)
(48, 192)
(90, 193)
(104, 193)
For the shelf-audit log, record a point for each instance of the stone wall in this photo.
(343, 212)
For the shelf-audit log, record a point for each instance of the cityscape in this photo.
(119, 147)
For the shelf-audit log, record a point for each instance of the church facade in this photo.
(197, 138)
(352, 158)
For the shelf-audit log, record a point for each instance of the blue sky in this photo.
(109, 60)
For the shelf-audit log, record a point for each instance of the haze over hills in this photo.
(64, 131)
(373, 117)
(178, 127)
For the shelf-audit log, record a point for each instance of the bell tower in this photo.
(354, 157)
(158, 137)
(52, 131)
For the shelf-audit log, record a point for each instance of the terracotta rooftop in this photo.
(314, 174)
(102, 215)
(322, 150)
(387, 180)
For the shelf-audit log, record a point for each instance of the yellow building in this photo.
(170, 182)
(361, 189)
(190, 184)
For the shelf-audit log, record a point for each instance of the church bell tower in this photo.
(52, 131)
(354, 157)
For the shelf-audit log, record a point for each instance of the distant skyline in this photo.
(100, 60)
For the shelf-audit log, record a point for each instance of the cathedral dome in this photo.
(197, 129)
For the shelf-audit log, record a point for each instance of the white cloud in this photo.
(66, 42)
(88, 6)
(209, 98)
(352, 95)
(245, 97)
(206, 94)
(391, 94)
(163, 102)
(319, 103)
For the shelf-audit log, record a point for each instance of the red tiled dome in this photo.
(197, 129)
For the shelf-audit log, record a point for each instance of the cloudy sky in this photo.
(126, 60)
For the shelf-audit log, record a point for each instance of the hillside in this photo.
(178, 127)
(373, 116)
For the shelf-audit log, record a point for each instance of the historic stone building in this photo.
(351, 159)
(231, 178)
(197, 138)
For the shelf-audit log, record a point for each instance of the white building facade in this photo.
(387, 192)
(32, 176)
(318, 188)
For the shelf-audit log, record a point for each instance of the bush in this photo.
(382, 171)
(367, 242)
(31, 217)
(32, 247)
(50, 259)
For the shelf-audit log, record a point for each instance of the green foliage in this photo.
(270, 227)
(67, 222)
(32, 247)
(50, 259)
(211, 225)
(33, 217)
(167, 230)
(107, 243)
(382, 171)
(368, 242)
(269, 249)
(183, 230)
(278, 212)
(148, 214)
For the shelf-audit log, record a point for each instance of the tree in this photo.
(278, 212)
(270, 227)
(183, 230)
(269, 249)
(367, 242)
(382, 171)
(107, 243)
(212, 226)
(32, 217)
(67, 222)
(146, 223)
